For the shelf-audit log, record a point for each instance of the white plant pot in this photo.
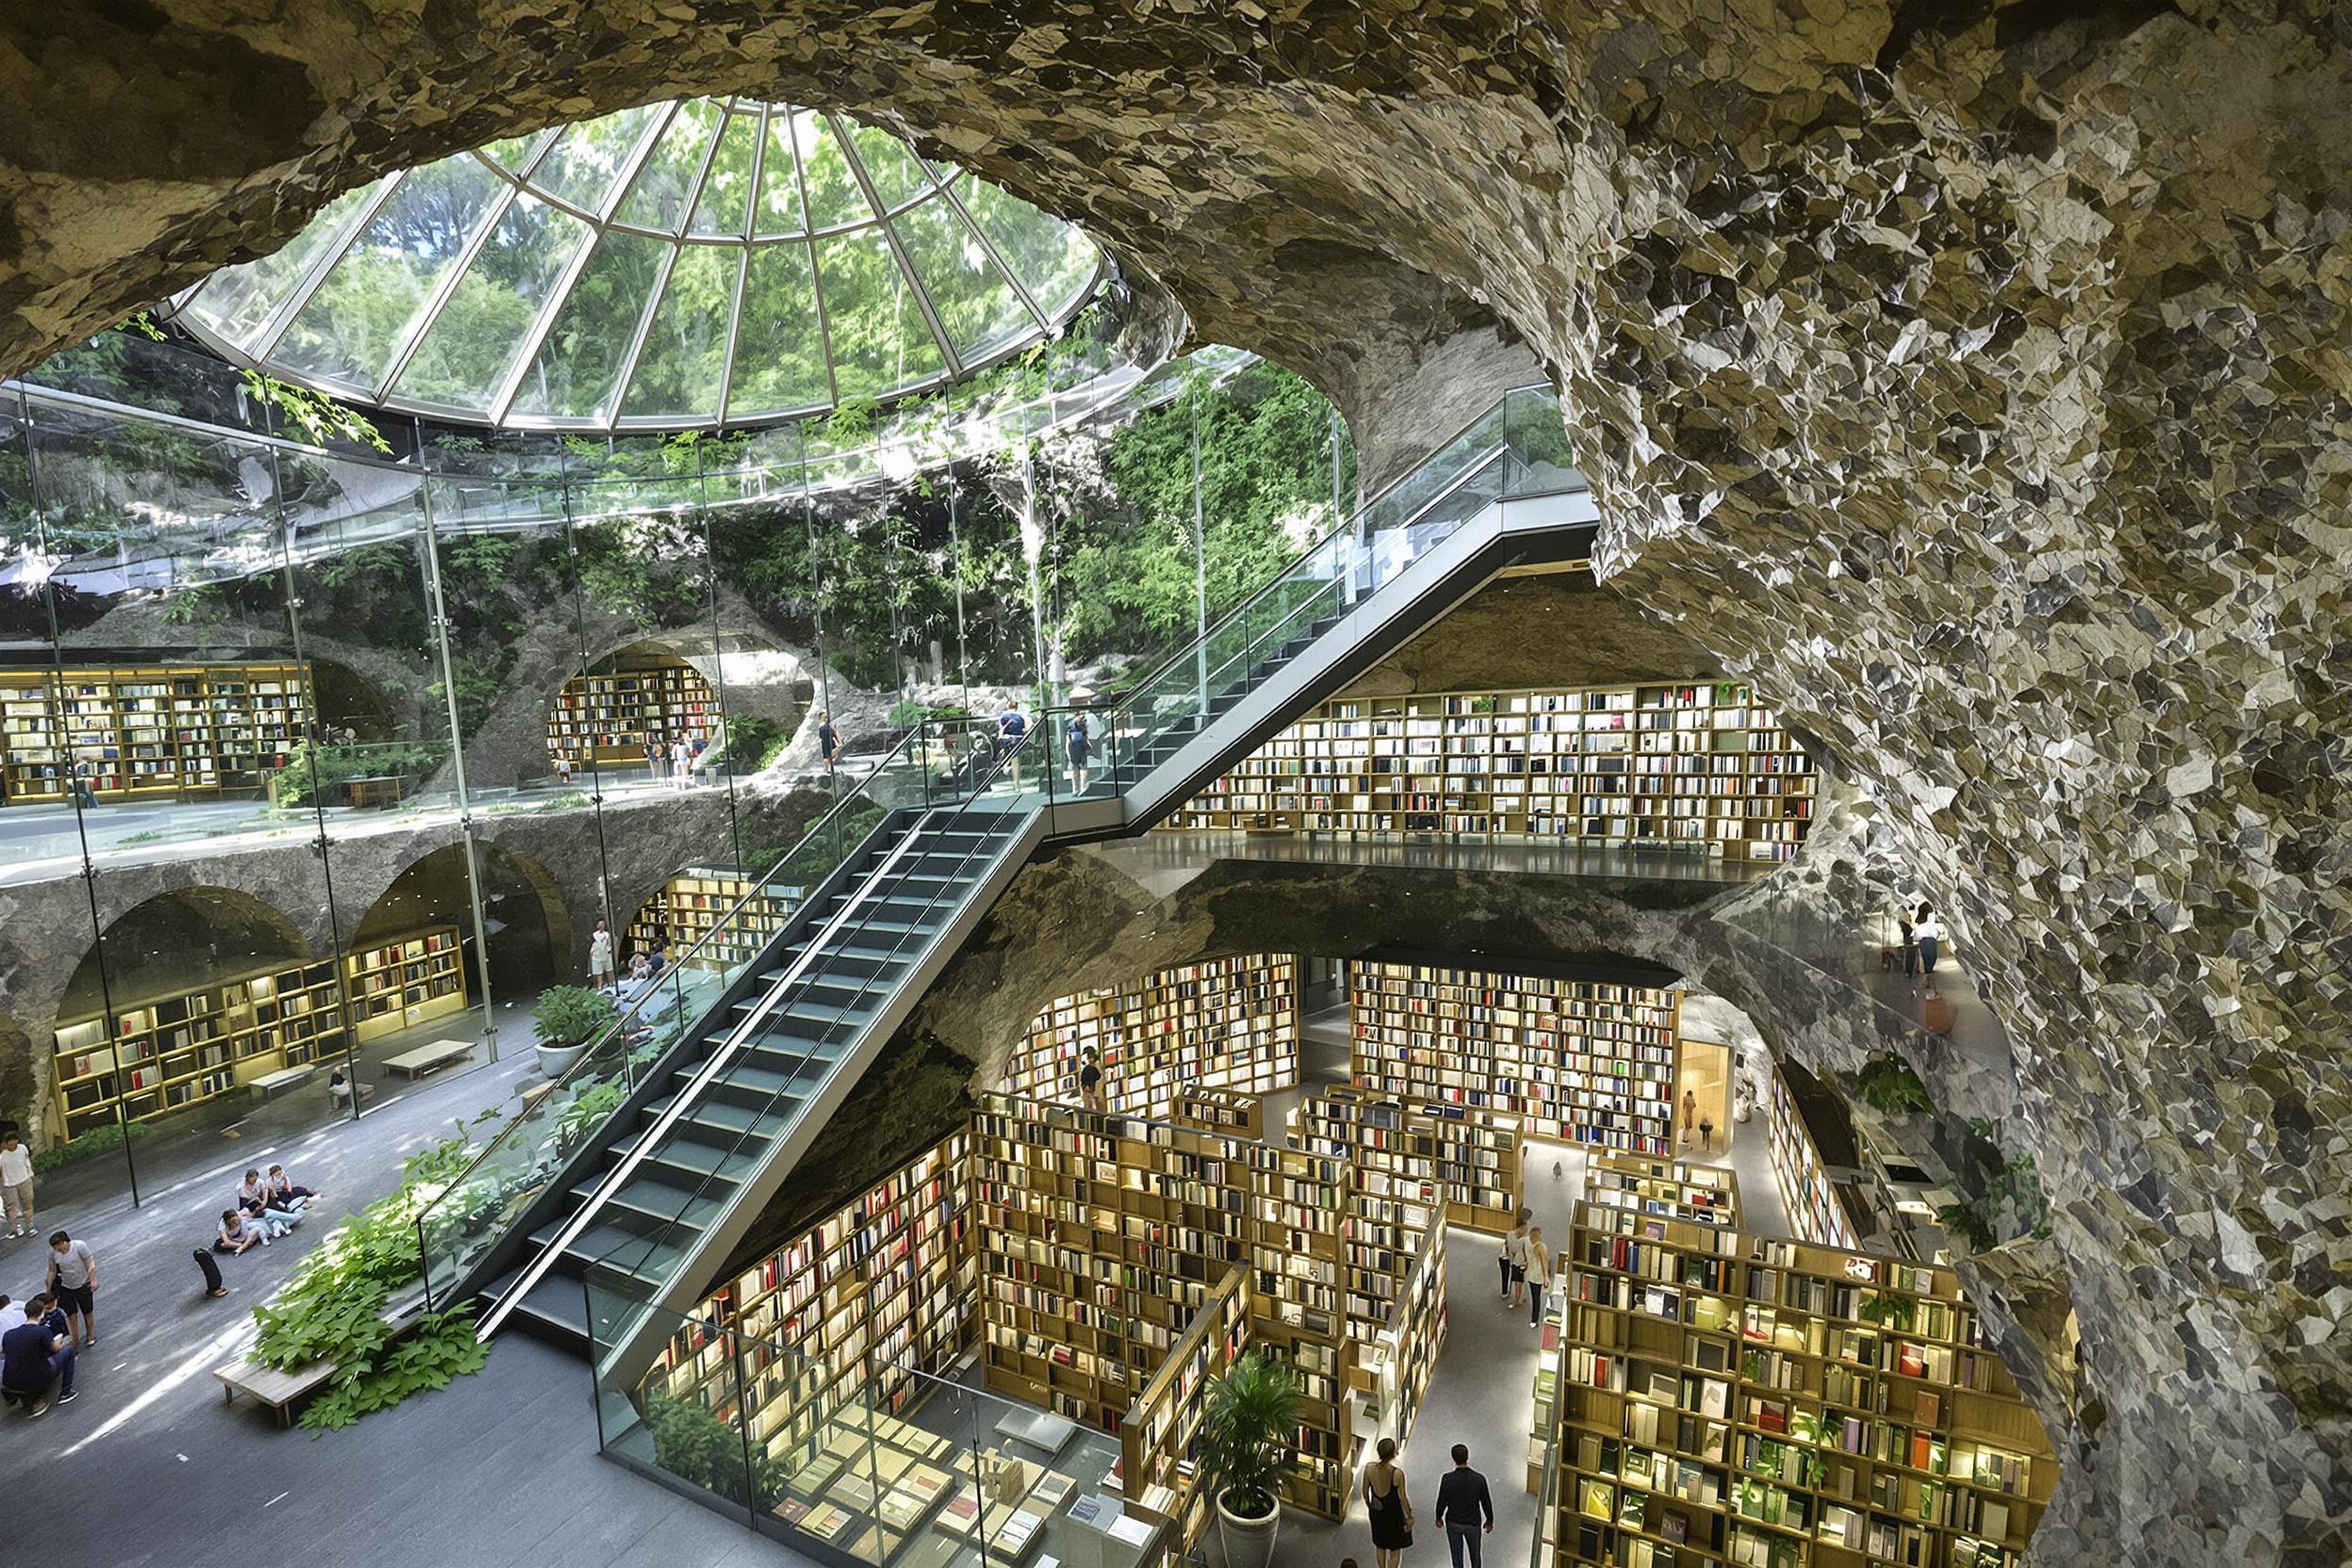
(556, 1060)
(1248, 1542)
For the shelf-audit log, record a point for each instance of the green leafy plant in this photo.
(315, 415)
(98, 1140)
(316, 774)
(2011, 1204)
(1886, 1083)
(751, 742)
(1246, 1430)
(568, 1015)
(334, 1308)
(1889, 1311)
(588, 1111)
(693, 1444)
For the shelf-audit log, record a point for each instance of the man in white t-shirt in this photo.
(16, 1184)
(11, 1315)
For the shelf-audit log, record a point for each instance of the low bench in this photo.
(268, 1084)
(425, 1058)
(276, 1389)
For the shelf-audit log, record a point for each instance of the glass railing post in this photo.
(751, 1493)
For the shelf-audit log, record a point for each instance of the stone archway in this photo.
(178, 941)
(525, 916)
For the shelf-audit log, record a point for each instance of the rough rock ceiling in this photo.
(1973, 376)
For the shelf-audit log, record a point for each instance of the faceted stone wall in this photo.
(1971, 377)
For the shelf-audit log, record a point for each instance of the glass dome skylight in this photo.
(671, 266)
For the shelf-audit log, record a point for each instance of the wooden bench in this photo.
(367, 792)
(268, 1084)
(276, 1389)
(428, 1057)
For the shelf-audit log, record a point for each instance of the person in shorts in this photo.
(74, 1280)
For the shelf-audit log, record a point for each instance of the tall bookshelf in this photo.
(1815, 1212)
(694, 903)
(402, 981)
(607, 715)
(1582, 1061)
(1395, 1360)
(168, 1053)
(1674, 1189)
(148, 730)
(1725, 1398)
(1102, 1237)
(1679, 765)
(1156, 1438)
(1230, 1023)
(1465, 1164)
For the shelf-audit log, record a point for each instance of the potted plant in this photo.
(566, 1020)
(1248, 1429)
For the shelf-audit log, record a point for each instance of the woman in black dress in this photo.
(1384, 1500)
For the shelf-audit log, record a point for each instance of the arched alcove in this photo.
(524, 916)
(178, 942)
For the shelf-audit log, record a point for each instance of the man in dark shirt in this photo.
(1463, 1503)
(829, 739)
(35, 1354)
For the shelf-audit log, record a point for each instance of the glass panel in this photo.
(727, 189)
(974, 302)
(665, 182)
(679, 371)
(779, 182)
(373, 297)
(1054, 258)
(514, 153)
(880, 340)
(896, 176)
(471, 345)
(576, 374)
(779, 354)
(590, 158)
(237, 302)
(834, 198)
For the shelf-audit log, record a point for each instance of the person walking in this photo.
(1512, 1239)
(1539, 1275)
(1910, 941)
(1385, 1503)
(1089, 1080)
(1464, 1508)
(1011, 726)
(16, 1184)
(1689, 1115)
(828, 741)
(600, 957)
(653, 754)
(1929, 935)
(681, 771)
(1515, 1252)
(1074, 741)
(74, 1280)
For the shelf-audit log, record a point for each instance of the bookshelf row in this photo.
(1721, 1398)
(1815, 1211)
(608, 716)
(1672, 1189)
(695, 903)
(133, 731)
(1464, 1163)
(1224, 1023)
(1697, 766)
(1580, 1061)
(168, 1052)
(1156, 1467)
(1243, 1116)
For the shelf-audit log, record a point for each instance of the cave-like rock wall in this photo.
(1971, 376)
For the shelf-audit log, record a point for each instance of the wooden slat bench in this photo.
(427, 1057)
(276, 1389)
(268, 1084)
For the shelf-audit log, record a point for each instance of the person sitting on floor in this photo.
(238, 1234)
(288, 1195)
(36, 1356)
(340, 1090)
(11, 1315)
(254, 1197)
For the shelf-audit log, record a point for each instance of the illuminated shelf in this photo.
(1814, 1210)
(607, 717)
(1722, 1398)
(1230, 1023)
(1671, 1189)
(1686, 765)
(694, 903)
(1580, 1061)
(146, 730)
(402, 981)
(1220, 1111)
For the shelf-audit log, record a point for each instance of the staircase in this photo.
(652, 1203)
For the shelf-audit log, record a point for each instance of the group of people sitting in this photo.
(38, 1340)
(267, 1207)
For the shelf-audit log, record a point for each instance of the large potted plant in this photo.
(1248, 1431)
(566, 1019)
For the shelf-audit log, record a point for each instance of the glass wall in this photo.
(328, 748)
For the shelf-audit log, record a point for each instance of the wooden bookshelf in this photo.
(1672, 1189)
(1465, 1163)
(1815, 1212)
(402, 981)
(606, 715)
(1581, 1061)
(168, 1052)
(1396, 1358)
(149, 730)
(1101, 1237)
(1229, 1111)
(1723, 1399)
(1684, 765)
(1478, 1165)
(1230, 1023)
(1156, 1439)
(695, 903)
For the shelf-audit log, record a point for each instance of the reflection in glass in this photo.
(686, 347)
(881, 343)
